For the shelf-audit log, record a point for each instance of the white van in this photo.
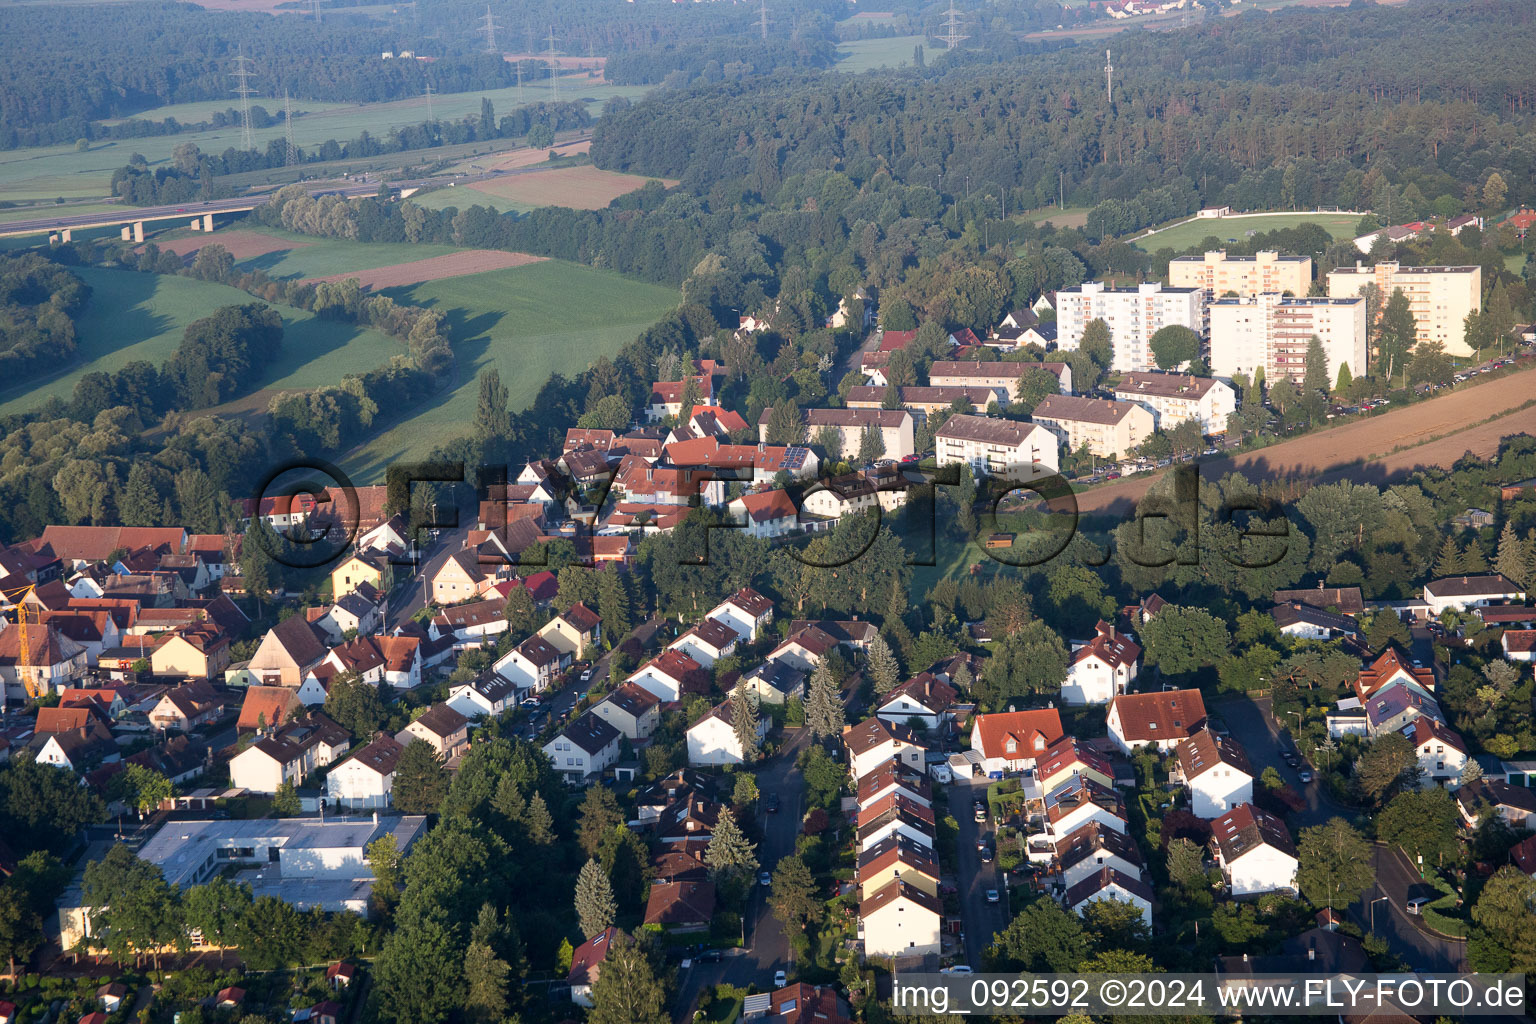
(941, 774)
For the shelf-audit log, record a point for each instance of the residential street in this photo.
(407, 596)
(982, 920)
(767, 946)
(1253, 727)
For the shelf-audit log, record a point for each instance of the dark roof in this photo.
(1294, 612)
(442, 720)
(381, 755)
(895, 890)
(1079, 409)
(1089, 839)
(1346, 599)
(633, 699)
(869, 735)
(1165, 385)
(1205, 750)
(680, 903)
(1495, 792)
(985, 430)
(1245, 828)
(591, 733)
(1102, 879)
(1471, 586)
(583, 618)
(299, 639)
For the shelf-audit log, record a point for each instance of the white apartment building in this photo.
(1019, 451)
(1441, 297)
(1172, 398)
(1272, 332)
(895, 426)
(1264, 271)
(1108, 429)
(998, 375)
(1133, 316)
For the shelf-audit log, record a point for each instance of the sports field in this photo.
(867, 54)
(154, 310)
(583, 187)
(529, 322)
(1192, 233)
(54, 171)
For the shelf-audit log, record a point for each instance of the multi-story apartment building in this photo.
(1264, 271)
(1272, 332)
(1441, 297)
(992, 447)
(1172, 398)
(1003, 375)
(1109, 429)
(895, 426)
(1133, 316)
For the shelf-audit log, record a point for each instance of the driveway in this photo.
(981, 920)
(767, 945)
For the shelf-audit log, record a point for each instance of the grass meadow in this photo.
(528, 322)
(1192, 233)
(134, 316)
(867, 54)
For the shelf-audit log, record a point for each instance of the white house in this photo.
(1217, 772)
(1441, 751)
(1162, 720)
(364, 780)
(1074, 804)
(1254, 851)
(669, 675)
(1519, 644)
(872, 743)
(1101, 669)
(1463, 592)
(922, 697)
(1109, 884)
(488, 695)
(895, 816)
(900, 920)
(289, 754)
(1010, 741)
(1305, 622)
(766, 514)
(707, 642)
(745, 611)
(533, 664)
(713, 740)
(774, 682)
(804, 649)
(441, 726)
(1085, 852)
(631, 709)
(583, 749)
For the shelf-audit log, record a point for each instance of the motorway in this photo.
(767, 945)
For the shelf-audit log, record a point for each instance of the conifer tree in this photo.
(540, 823)
(823, 705)
(1513, 560)
(744, 721)
(595, 905)
(730, 853)
(1448, 561)
(626, 990)
(883, 668)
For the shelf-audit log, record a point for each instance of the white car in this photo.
(779, 979)
(957, 969)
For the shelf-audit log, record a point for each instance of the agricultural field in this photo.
(867, 54)
(523, 322)
(62, 171)
(582, 187)
(1071, 217)
(155, 310)
(1191, 233)
(308, 256)
(458, 264)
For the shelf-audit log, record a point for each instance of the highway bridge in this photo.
(199, 216)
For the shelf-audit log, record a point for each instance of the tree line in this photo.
(39, 300)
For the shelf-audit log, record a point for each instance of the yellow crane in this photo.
(28, 621)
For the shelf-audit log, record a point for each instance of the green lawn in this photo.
(465, 196)
(866, 54)
(134, 316)
(529, 322)
(1183, 236)
(1515, 262)
(51, 171)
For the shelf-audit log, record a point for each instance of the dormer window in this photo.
(1012, 745)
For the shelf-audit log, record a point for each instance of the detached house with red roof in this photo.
(287, 653)
(1162, 720)
(1109, 884)
(713, 740)
(670, 675)
(1519, 644)
(1441, 751)
(872, 743)
(900, 920)
(1463, 592)
(1254, 851)
(766, 514)
(587, 964)
(1217, 772)
(1101, 669)
(533, 665)
(707, 642)
(923, 698)
(1011, 741)
(745, 611)
(1393, 667)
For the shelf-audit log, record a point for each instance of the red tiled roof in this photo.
(1171, 714)
(1033, 732)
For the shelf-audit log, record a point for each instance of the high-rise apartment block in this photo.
(1264, 271)
(1272, 332)
(1441, 297)
(1133, 316)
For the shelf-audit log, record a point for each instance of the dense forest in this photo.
(64, 67)
(38, 300)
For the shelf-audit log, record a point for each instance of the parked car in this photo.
(986, 855)
(710, 956)
(1304, 775)
(764, 878)
(1417, 904)
(772, 805)
(992, 896)
(780, 979)
(957, 969)
(981, 812)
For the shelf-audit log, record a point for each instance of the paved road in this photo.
(408, 596)
(767, 949)
(982, 920)
(1254, 727)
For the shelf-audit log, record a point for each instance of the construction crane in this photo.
(28, 620)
